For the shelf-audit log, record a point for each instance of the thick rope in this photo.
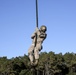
(36, 13)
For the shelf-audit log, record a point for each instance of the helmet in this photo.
(43, 28)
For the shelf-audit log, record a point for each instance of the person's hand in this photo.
(36, 29)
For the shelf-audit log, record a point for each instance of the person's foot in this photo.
(32, 63)
(36, 62)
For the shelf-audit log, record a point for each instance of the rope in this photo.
(36, 13)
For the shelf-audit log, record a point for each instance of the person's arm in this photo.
(43, 35)
(34, 34)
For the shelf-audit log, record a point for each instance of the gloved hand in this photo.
(36, 29)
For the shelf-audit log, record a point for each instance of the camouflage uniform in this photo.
(38, 37)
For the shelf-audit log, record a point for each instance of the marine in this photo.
(37, 39)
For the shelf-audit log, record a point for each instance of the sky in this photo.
(18, 22)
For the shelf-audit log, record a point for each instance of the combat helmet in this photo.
(43, 28)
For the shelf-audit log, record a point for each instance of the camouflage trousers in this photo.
(33, 52)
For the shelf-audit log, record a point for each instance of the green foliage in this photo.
(49, 64)
(71, 74)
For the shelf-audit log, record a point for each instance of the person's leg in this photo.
(36, 53)
(31, 54)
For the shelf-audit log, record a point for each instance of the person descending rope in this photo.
(38, 37)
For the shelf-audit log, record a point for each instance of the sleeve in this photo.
(34, 34)
(43, 35)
